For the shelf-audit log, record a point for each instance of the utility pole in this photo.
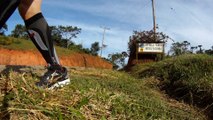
(154, 17)
(102, 44)
(155, 27)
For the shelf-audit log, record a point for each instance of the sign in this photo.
(151, 47)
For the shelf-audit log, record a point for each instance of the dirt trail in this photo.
(34, 58)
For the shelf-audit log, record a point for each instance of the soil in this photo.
(34, 58)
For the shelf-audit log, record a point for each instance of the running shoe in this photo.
(55, 77)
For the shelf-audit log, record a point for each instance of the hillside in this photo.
(23, 52)
(187, 78)
(94, 94)
(178, 88)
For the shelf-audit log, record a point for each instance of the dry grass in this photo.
(93, 94)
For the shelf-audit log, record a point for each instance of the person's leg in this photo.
(40, 34)
(7, 7)
(38, 29)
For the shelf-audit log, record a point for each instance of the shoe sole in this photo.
(60, 84)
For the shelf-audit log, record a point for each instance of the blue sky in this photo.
(182, 20)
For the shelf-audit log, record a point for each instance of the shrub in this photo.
(5, 40)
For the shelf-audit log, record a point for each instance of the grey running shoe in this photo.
(54, 78)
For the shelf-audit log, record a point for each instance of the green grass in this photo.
(16, 44)
(187, 78)
(92, 94)
(23, 44)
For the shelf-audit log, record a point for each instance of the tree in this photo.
(63, 35)
(86, 50)
(75, 47)
(148, 36)
(180, 48)
(210, 51)
(193, 48)
(68, 32)
(94, 48)
(200, 51)
(3, 29)
(176, 49)
(118, 59)
(186, 45)
(19, 31)
(56, 36)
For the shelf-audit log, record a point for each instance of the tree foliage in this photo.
(118, 59)
(149, 36)
(3, 29)
(69, 32)
(63, 35)
(179, 48)
(209, 51)
(19, 31)
(146, 37)
(185, 47)
(200, 51)
(95, 48)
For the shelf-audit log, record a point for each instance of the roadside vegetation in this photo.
(155, 91)
(24, 44)
(187, 78)
(92, 94)
(63, 37)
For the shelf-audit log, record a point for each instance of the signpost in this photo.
(147, 50)
(151, 48)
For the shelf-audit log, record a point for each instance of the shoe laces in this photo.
(51, 72)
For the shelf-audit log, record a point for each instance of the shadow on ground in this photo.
(7, 93)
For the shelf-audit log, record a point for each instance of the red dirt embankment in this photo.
(33, 58)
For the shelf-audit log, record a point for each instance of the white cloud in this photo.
(134, 12)
(189, 20)
(181, 20)
(116, 39)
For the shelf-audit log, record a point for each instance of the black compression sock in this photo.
(39, 33)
